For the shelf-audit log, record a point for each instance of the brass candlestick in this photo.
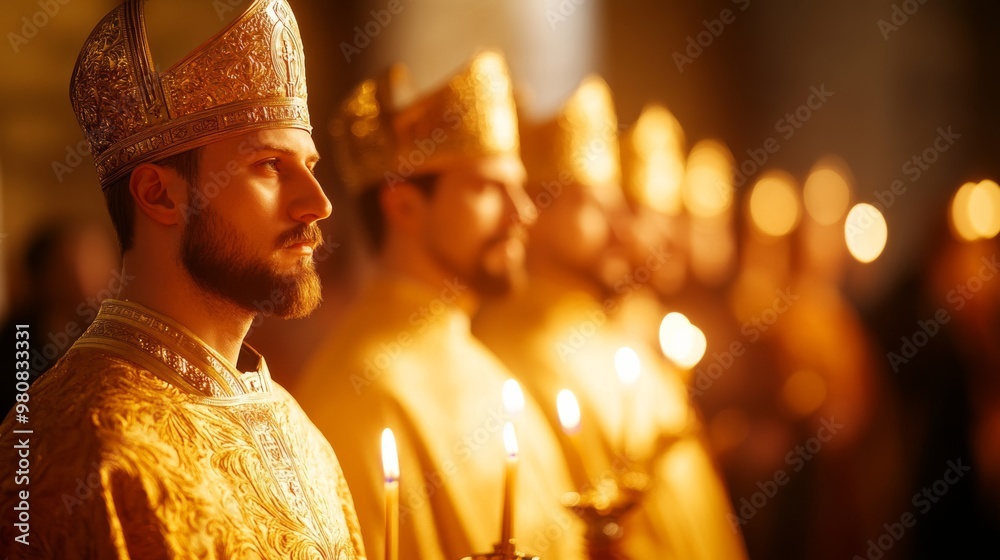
(603, 508)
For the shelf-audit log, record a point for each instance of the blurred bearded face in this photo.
(583, 235)
(474, 223)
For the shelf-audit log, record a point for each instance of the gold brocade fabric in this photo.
(563, 339)
(147, 444)
(403, 358)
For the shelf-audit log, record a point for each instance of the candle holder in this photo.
(503, 551)
(603, 508)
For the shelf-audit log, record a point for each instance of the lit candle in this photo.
(628, 367)
(390, 466)
(513, 398)
(510, 444)
(681, 341)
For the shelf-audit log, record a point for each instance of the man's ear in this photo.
(159, 192)
(404, 207)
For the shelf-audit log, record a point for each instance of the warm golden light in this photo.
(984, 209)
(683, 343)
(774, 204)
(509, 439)
(658, 145)
(866, 232)
(627, 365)
(569, 411)
(804, 392)
(708, 182)
(390, 458)
(826, 194)
(961, 218)
(513, 397)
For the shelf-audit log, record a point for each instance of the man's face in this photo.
(252, 222)
(584, 236)
(473, 226)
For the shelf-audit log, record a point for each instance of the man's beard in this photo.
(488, 277)
(220, 260)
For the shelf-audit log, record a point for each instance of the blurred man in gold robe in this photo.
(581, 262)
(160, 434)
(439, 187)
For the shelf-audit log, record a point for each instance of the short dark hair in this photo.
(121, 207)
(369, 206)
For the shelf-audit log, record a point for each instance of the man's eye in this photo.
(271, 164)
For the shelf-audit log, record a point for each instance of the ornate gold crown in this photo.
(579, 145)
(471, 116)
(249, 76)
(653, 160)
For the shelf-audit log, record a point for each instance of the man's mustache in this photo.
(310, 234)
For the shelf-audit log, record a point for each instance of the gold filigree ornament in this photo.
(249, 76)
(378, 142)
(578, 146)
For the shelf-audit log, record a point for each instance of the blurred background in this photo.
(897, 98)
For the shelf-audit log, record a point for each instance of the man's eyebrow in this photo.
(312, 156)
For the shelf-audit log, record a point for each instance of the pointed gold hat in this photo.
(249, 76)
(471, 116)
(579, 145)
(653, 161)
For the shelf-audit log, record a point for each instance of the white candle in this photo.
(390, 467)
(510, 444)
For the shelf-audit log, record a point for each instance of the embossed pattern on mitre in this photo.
(249, 76)
(471, 116)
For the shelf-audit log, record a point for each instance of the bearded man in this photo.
(439, 186)
(160, 434)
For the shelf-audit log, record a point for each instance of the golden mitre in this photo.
(472, 115)
(249, 76)
(652, 153)
(579, 146)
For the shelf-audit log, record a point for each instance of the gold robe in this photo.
(563, 339)
(145, 443)
(403, 358)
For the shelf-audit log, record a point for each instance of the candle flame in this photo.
(683, 343)
(865, 232)
(513, 397)
(509, 439)
(569, 411)
(627, 365)
(390, 458)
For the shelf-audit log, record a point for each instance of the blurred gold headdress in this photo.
(653, 161)
(471, 116)
(249, 76)
(579, 145)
